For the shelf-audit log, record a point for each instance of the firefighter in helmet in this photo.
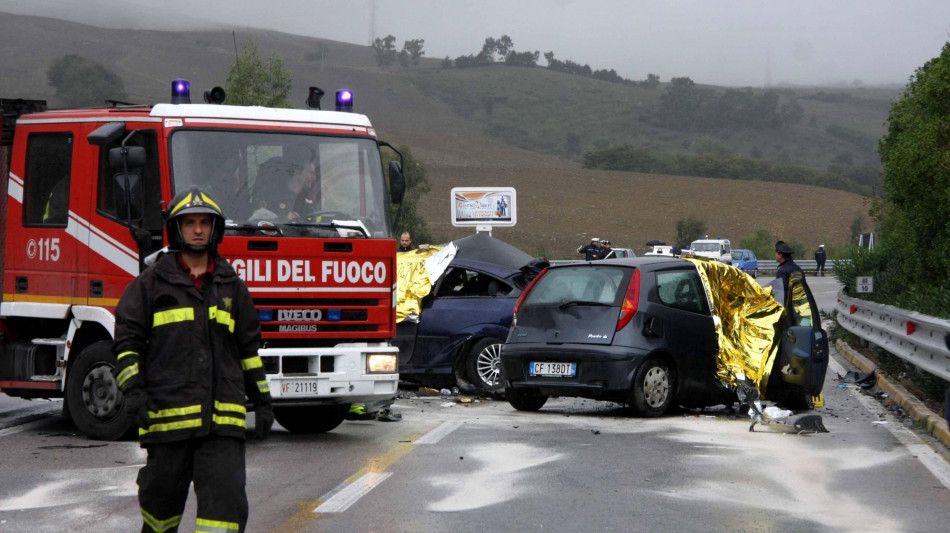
(186, 339)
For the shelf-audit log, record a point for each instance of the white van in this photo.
(717, 249)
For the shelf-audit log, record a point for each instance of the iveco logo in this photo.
(299, 315)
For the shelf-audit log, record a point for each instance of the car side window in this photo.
(464, 282)
(681, 290)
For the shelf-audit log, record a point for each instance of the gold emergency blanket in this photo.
(412, 281)
(749, 316)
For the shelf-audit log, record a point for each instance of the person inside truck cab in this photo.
(284, 189)
(57, 203)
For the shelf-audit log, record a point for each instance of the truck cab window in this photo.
(107, 201)
(46, 183)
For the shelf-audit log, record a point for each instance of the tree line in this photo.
(629, 158)
(686, 106)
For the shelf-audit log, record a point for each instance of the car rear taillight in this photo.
(514, 320)
(630, 300)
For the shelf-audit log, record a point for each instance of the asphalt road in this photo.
(576, 465)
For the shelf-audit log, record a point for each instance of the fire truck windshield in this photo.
(296, 180)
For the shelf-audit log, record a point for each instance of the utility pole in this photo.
(372, 22)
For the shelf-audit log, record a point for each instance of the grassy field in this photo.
(518, 139)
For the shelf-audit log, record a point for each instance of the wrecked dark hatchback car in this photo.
(656, 332)
(456, 336)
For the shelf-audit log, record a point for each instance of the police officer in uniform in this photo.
(786, 265)
(591, 251)
(187, 336)
(820, 257)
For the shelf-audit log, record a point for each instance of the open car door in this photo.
(803, 352)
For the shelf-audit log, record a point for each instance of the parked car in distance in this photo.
(620, 253)
(745, 261)
(660, 249)
(640, 331)
(464, 320)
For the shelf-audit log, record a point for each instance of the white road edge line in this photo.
(24, 427)
(347, 494)
(439, 433)
(921, 450)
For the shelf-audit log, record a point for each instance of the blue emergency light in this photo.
(181, 92)
(344, 100)
(265, 315)
(334, 314)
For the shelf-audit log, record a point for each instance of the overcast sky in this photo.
(722, 42)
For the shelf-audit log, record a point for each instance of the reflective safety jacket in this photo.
(194, 352)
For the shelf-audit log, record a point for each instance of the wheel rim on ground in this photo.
(488, 363)
(656, 387)
(100, 394)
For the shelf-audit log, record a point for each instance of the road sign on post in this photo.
(865, 284)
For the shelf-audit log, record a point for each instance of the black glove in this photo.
(136, 407)
(263, 420)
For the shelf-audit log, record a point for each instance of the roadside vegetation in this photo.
(911, 262)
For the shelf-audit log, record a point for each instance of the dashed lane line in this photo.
(361, 483)
(440, 432)
(349, 493)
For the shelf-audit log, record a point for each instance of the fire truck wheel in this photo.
(310, 418)
(92, 396)
(484, 364)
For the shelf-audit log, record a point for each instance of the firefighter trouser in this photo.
(215, 464)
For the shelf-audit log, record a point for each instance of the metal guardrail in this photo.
(806, 264)
(919, 339)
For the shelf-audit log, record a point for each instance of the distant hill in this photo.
(441, 114)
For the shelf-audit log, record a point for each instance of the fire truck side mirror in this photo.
(397, 182)
(128, 188)
(132, 156)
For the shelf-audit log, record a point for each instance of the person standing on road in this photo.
(591, 251)
(405, 243)
(186, 339)
(605, 251)
(820, 257)
(786, 265)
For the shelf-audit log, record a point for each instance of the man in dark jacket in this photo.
(786, 265)
(820, 257)
(405, 243)
(187, 336)
(591, 251)
(606, 252)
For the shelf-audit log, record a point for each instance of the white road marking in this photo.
(440, 432)
(23, 427)
(341, 498)
(346, 494)
(922, 451)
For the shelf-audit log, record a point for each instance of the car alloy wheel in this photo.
(484, 364)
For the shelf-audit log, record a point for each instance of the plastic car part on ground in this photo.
(746, 329)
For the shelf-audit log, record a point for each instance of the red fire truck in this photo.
(309, 229)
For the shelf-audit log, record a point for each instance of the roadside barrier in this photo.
(919, 339)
